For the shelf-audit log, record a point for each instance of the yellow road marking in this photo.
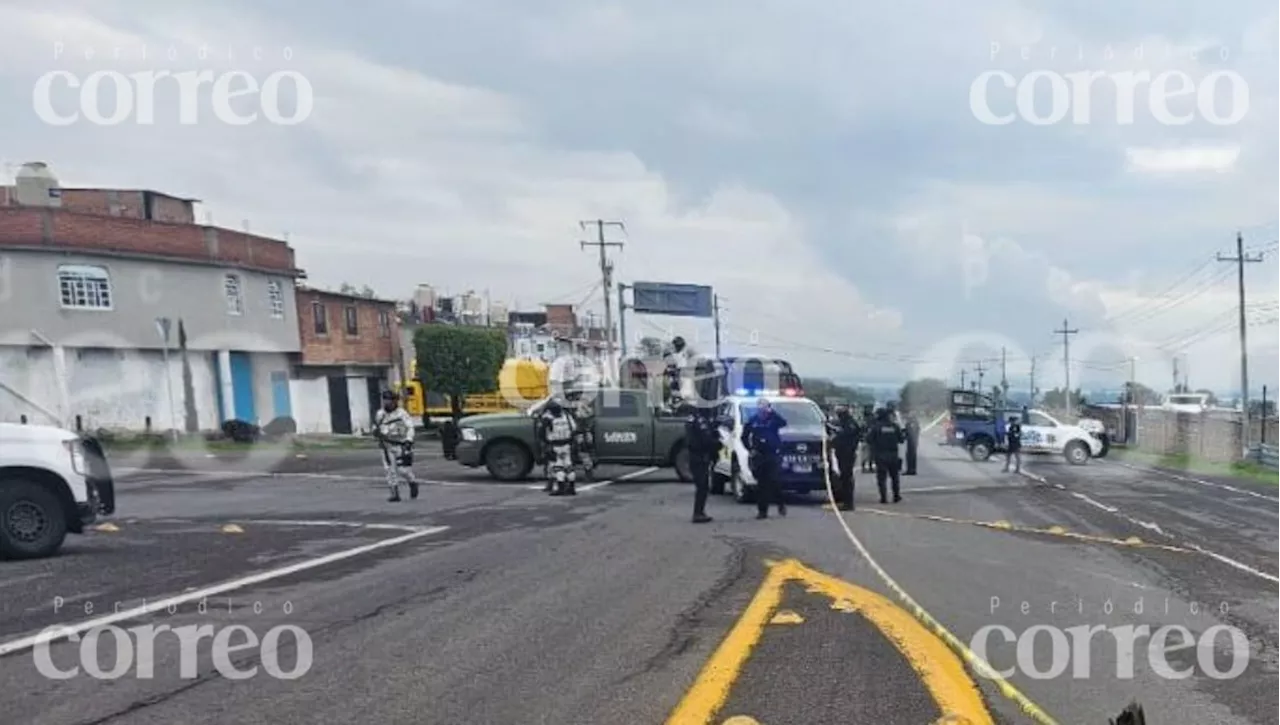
(232, 529)
(107, 527)
(742, 720)
(787, 616)
(1058, 531)
(979, 665)
(943, 673)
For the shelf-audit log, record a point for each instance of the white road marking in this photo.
(341, 524)
(63, 631)
(1152, 526)
(1200, 481)
(601, 484)
(935, 422)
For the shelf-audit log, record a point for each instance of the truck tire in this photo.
(1076, 453)
(680, 462)
(33, 522)
(1105, 440)
(508, 461)
(980, 449)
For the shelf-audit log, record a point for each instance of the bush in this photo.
(280, 427)
(241, 431)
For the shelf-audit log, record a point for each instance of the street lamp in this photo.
(163, 325)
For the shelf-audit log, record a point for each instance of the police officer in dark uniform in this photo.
(702, 440)
(761, 436)
(913, 442)
(868, 421)
(885, 437)
(845, 435)
(1013, 445)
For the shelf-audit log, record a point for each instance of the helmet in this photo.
(678, 343)
(390, 395)
(554, 407)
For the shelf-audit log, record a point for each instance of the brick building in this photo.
(350, 352)
(86, 278)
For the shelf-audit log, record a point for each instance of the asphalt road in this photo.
(483, 602)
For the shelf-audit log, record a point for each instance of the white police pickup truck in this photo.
(52, 481)
(1042, 433)
(802, 466)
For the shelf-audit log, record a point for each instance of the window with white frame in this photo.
(275, 297)
(84, 287)
(233, 292)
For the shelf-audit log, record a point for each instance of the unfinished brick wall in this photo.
(62, 229)
(370, 346)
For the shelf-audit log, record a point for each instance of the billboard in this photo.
(680, 300)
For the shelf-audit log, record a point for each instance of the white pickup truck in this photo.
(52, 482)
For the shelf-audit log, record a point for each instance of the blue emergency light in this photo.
(788, 392)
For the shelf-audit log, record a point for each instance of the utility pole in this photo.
(622, 317)
(1240, 259)
(715, 305)
(1033, 381)
(962, 373)
(980, 370)
(1066, 360)
(1004, 375)
(1131, 399)
(606, 275)
(1176, 379)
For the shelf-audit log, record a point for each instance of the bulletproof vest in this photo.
(846, 436)
(886, 440)
(559, 429)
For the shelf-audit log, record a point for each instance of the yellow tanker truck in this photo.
(520, 384)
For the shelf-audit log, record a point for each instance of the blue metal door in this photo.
(242, 385)
(280, 394)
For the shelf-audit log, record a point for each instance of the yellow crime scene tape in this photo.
(979, 665)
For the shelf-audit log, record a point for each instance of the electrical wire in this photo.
(1162, 294)
(1191, 294)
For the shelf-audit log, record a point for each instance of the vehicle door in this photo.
(1040, 433)
(729, 431)
(624, 428)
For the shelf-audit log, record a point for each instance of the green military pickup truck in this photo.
(629, 430)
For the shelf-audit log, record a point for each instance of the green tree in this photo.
(926, 394)
(650, 347)
(1056, 399)
(820, 389)
(1138, 394)
(458, 361)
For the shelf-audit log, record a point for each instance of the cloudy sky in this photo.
(824, 165)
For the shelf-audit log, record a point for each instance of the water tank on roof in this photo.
(37, 186)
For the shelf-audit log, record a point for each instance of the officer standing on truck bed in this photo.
(884, 438)
(845, 435)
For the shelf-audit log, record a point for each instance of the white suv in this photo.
(52, 481)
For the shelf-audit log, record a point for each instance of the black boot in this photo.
(571, 489)
(782, 509)
(413, 489)
(395, 495)
(701, 518)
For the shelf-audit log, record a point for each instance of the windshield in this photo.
(1186, 399)
(796, 412)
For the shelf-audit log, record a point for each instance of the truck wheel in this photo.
(742, 493)
(32, 521)
(1105, 440)
(680, 462)
(507, 461)
(980, 450)
(1077, 453)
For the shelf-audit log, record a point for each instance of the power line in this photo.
(1177, 283)
(1184, 298)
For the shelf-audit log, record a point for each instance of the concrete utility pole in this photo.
(715, 302)
(980, 370)
(1004, 374)
(1066, 360)
(1033, 380)
(962, 374)
(1240, 259)
(606, 275)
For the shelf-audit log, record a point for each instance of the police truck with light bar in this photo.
(802, 467)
